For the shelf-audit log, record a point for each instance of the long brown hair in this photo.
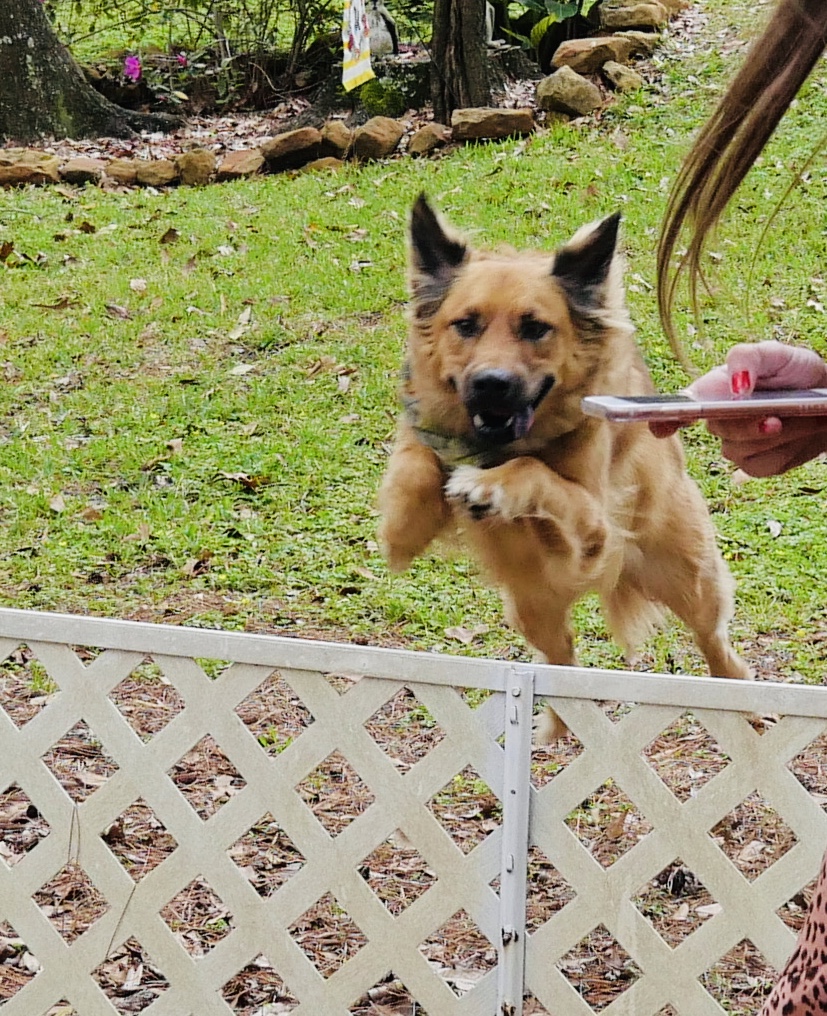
(774, 70)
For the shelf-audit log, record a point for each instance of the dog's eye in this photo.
(467, 327)
(532, 329)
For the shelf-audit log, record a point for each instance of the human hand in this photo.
(764, 445)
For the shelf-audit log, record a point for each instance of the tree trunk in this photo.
(43, 91)
(459, 57)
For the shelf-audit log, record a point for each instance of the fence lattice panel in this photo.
(288, 784)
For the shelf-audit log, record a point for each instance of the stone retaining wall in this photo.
(627, 30)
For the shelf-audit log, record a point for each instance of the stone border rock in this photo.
(627, 29)
(304, 149)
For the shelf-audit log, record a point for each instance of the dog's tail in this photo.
(632, 616)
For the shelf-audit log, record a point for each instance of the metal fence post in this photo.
(519, 703)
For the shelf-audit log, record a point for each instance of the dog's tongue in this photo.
(522, 422)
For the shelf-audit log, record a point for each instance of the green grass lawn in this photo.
(194, 430)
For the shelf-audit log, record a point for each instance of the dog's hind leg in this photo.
(545, 622)
(542, 618)
(535, 595)
(690, 577)
(542, 539)
(535, 609)
(411, 502)
(706, 606)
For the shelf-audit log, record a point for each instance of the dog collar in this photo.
(454, 451)
(451, 449)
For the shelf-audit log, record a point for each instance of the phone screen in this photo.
(680, 407)
(775, 395)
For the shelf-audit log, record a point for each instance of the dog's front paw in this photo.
(471, 490)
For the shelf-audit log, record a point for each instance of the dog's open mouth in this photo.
(502, 427)
(503, 424)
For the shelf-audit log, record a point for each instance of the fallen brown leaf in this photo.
(61, 304)
(246, 480)
(197, 565)
(616, 828)
(466, 635)
(142, 535)
(114, 310)
(366, 573)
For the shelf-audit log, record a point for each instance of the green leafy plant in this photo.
(242, 49)
(552, 12)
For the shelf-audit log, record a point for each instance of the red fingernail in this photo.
(740, 382)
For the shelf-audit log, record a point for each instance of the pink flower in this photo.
(132, 68)
(182, 60)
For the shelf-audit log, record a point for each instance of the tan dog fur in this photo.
(576, 503)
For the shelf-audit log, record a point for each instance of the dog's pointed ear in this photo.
(583, 265)
(435, 254)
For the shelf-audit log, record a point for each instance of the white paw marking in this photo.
(469, 485)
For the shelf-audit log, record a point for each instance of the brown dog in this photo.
(493, 444)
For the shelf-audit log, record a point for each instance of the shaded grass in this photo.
(206, 444)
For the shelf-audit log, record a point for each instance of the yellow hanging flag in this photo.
(356, 69)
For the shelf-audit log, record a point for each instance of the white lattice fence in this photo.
(744, 908)
(317, 843)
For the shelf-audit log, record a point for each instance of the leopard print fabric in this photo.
(802, 988)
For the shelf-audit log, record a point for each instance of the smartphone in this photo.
(682, 408)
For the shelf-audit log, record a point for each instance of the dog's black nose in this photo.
(496, 386)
